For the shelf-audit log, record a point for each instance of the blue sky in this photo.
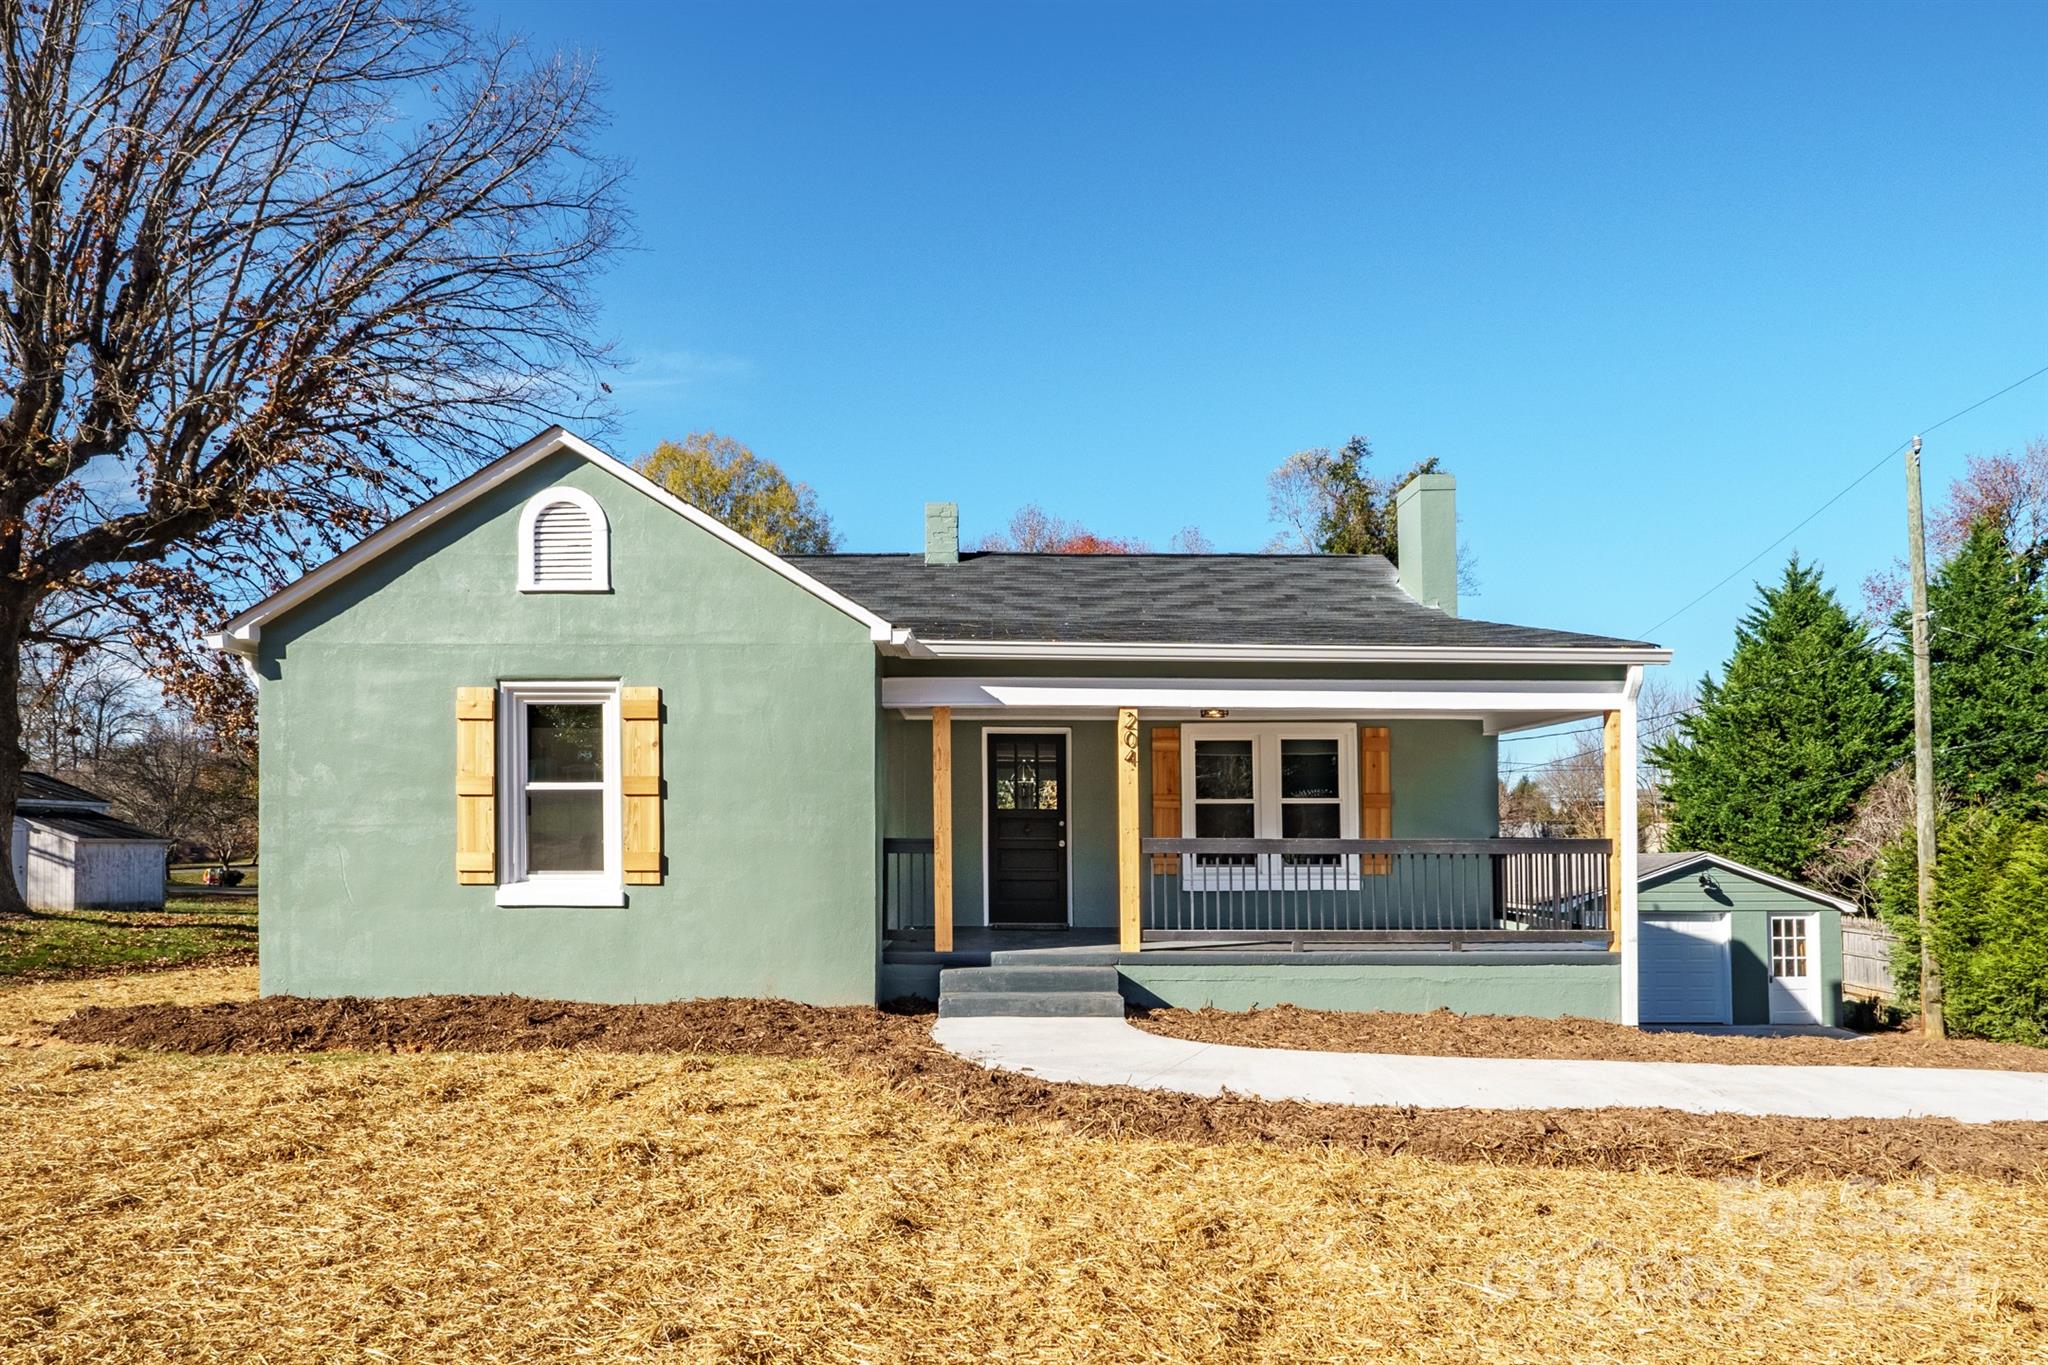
(1654, 281)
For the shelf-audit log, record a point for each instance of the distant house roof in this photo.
(37, 787)
(1344, 600)
(85, 824)
(1653, 865)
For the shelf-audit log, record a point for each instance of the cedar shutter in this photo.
(640, 782)
(476, 796)
(1165, 793)
(1375, 793)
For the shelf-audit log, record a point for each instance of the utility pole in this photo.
(1923, 749)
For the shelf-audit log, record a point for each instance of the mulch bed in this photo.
(1444, 1034)
(896, 1049)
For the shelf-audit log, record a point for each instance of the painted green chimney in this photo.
(1426, 539)
(942, 533)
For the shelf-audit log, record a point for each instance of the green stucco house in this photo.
(559, 734)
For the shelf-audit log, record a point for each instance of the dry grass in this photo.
(549, 1205)
(189, 930)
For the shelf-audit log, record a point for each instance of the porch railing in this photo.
(1415, 890)
(908, 901)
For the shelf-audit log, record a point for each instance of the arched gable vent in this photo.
(564, 543)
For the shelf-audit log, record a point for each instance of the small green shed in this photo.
(1719, 942)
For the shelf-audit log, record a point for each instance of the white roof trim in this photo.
(1439, 654)
(240, 634)
(1727, 864)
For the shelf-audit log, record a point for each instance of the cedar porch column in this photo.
(942, 829)
(1129, 926)
(1611, 735)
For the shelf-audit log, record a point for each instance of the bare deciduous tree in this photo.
(269, 269)
(1575, 783)
(179, 780)
(75, 713)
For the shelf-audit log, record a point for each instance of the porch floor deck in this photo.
(1087, 946)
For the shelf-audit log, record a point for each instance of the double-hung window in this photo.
(559, 800)
(1280, 781)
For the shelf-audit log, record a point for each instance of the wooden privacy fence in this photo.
(1867, 956)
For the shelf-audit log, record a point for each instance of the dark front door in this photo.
(1027, 829)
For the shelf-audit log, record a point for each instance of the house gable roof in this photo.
(239, 635)
(1335, 606)
(1352, 602)
(1656, 867)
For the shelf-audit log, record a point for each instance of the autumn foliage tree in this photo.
(717, 474)
(269, 270)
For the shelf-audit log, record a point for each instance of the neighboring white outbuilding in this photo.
(71, 854)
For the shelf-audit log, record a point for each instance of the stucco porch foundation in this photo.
(1544, 980)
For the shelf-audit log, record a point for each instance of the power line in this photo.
(1982, 639)
(1845, 491)
(1871, 641)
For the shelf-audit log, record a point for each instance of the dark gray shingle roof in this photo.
(42, 787)
(80, 824)
(1166, 599)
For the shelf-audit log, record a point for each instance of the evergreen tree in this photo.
(1804, 718)
(1988, 650)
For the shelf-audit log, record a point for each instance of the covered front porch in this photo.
(1288, 823)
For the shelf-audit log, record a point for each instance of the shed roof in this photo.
(42, 787)
(83, 824)
(1653, 865)
(1168, 599)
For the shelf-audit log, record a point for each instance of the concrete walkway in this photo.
(1111, 1052)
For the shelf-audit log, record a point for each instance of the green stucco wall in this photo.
(769, 759)
(1589, 989)
(1443, 776)
(1749, 905)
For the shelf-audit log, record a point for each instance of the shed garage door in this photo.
(1682, 969)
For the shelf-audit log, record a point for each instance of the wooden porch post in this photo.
(942, 829)
(1129, 928)
(1611, 735)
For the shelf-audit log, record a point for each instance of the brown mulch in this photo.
(896, 1048)
(1444, 1034)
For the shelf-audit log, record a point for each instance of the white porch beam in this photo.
(1506, 701)
(1631, 690)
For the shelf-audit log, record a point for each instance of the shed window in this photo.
(1788, 946)
(564, 543)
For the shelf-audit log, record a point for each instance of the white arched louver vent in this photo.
(564, 543)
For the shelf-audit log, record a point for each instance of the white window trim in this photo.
(600, 579)
(1270, 873)
(518, 887)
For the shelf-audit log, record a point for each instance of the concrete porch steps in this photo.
(1040, 992)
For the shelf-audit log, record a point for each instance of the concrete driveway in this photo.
(1111, 1052)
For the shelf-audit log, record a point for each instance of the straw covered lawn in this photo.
(546, 1205)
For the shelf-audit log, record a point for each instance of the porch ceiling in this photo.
(1499, 704)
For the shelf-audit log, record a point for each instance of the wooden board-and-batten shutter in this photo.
(476, 786)
(1165, 793)
(640, 782)
(1375, 792)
